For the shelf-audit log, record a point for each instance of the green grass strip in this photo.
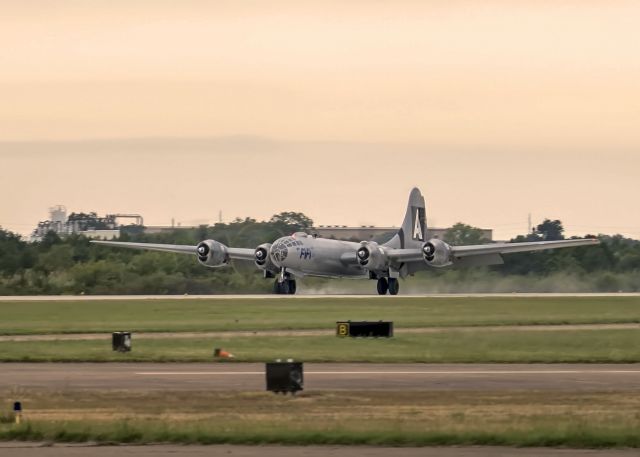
(575, 436)
(602, 346)
(181, 315)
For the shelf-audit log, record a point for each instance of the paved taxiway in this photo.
(46, 450)
(323, 376)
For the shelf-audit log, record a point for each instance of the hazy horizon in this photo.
(494, 109)
(191, 180)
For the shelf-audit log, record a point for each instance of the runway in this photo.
(301, 295)
(319, 376)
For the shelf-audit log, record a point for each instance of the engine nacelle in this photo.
(263, 258)
(371, 256)
(437, 253)
(212, 254)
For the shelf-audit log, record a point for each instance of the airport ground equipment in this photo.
(364, 329)
(284, 377)
(121, 341)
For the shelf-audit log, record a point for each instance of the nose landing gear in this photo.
(284, 285)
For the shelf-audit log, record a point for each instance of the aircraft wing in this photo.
(234, 253)
(508, 248)
(489, 254)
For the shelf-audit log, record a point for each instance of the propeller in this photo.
(429, 251)
(363, 255)
(261, 256)
(203, 251)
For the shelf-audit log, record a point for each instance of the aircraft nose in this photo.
(279, 252)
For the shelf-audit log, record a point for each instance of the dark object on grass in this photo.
(365, 329)
(121, 341)
(284, 377)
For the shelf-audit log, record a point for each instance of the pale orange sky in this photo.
(494, 109)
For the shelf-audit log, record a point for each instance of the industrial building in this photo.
(108, 227)
(86, 224)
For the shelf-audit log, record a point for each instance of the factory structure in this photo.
(110, 226)
(87, 224)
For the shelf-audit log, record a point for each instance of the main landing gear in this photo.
(390, 285)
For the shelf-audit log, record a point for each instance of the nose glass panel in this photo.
(279, 250)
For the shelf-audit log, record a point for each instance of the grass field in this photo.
(601, 419)
(273, 313)
(448, 346)
(550, 418)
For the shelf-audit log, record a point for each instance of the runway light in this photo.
(17, 412)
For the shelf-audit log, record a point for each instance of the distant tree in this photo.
(550, 230)
(462, 234)
(50, 238)
(290, 221)
(15, 254)
(58, 258)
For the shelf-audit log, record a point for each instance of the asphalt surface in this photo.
(40, 450)
(320, 376)
(289, 297)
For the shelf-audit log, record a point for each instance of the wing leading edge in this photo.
(508, 248)
(234, 253)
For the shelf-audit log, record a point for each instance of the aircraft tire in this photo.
(292, 286)
(383, 286)
(281, 288)
(394, 286)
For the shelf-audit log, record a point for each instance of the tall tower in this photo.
(58, 218)
(58, 214)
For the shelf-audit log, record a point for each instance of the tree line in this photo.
(72, 265)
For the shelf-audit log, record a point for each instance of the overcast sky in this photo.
(337, 109)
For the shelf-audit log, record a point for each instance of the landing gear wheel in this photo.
(383, 286)
(281, 288)
(292, 286)
(394, 286)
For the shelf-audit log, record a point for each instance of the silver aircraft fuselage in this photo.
(306, 255)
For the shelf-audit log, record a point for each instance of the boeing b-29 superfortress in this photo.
(301, 254)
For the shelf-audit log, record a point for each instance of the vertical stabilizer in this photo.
(413, 232)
